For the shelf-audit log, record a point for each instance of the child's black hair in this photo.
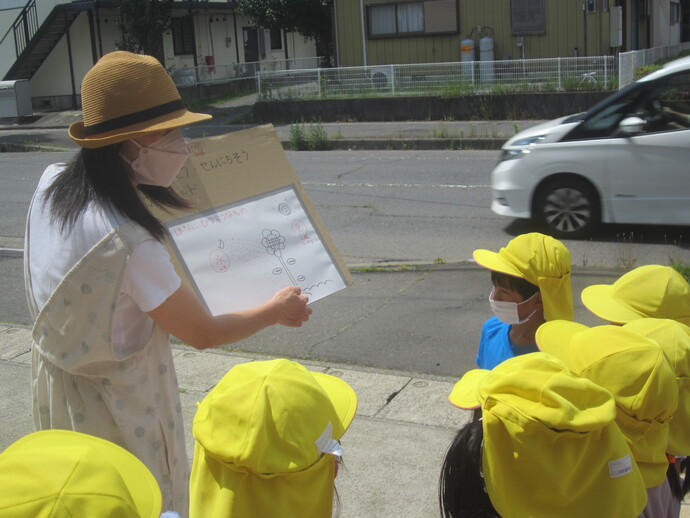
(523, 287)
(462, 493)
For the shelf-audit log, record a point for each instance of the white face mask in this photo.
(158, 163)
(507, 312)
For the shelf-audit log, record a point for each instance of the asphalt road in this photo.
(408, 208)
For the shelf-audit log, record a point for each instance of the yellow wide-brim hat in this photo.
(266, 441)
(540, 260)
(634, 369)
(125, 96)
(61, 473)
(674, 340)
(551, 444)
(650, 291)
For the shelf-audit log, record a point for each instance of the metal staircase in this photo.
(33, 43)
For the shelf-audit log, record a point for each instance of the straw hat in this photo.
(540, 260)
(551, 444)
(61, 473)
(125, 96)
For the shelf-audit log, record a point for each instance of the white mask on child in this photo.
(159, 163)
(507, 312)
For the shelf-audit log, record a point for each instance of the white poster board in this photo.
(239, 255)
(253, 230)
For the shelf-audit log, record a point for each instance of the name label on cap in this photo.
(620, 467)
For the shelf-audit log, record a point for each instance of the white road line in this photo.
(397, 185)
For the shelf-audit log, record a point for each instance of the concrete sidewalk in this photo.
(393, 449)
(48, 131)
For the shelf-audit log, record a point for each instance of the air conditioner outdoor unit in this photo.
(382, 78)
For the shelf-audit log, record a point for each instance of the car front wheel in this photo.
(567, 207)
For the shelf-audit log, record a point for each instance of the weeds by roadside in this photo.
(682, 268)
(314, 138)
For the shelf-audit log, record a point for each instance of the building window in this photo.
(527, 17)
(412, 18)
(675, 13)
(276, 39)
(183, 35)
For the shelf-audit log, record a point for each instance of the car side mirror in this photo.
(632, 125)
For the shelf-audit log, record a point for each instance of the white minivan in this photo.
(626, 160)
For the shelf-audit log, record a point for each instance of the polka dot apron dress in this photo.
(79, 384)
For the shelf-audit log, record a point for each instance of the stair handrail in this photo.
(25, 26)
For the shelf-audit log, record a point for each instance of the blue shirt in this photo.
(495, 346)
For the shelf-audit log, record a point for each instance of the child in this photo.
(648, 291)
(267, 442)
(531, 284)
(547, 445)
(635, 370)
(66, 474)
(674, 340)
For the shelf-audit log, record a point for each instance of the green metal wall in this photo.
(567, 27)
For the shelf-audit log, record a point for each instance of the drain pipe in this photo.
(364, 32)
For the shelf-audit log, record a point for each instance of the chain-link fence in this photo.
(209, 74)
(301, 78)
(455, 78)
(628, 62)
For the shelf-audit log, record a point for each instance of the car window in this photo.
(604, 121)
(664, 105)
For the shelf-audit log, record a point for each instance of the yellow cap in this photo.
(634, 369)
(648, 291)
(551, 444)
(61, 473)
(674, 340)
(540, 260)
(263, 438)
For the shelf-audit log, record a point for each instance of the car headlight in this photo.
(524, 146)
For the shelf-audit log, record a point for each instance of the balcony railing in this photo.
(209, 74)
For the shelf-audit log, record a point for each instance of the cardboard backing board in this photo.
(252, 229)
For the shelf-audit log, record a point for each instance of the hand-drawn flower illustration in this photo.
(273, 242)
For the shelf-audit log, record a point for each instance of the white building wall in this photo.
(7, 50)
(663, 33)
(53, 78)
(216, 34)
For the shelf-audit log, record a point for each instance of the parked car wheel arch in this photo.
(567, 205)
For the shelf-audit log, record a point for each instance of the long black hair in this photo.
(101, 176)
(462, 493)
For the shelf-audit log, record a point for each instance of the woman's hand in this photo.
(185, 317)
(291, 306)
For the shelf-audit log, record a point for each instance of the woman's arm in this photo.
(184, 316)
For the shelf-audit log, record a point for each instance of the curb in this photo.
(401, 144)
(392, 144)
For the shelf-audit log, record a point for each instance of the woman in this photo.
(100, 284)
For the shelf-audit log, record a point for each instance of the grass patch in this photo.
(683, 268)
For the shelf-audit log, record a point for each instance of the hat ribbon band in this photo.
(134, 118)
